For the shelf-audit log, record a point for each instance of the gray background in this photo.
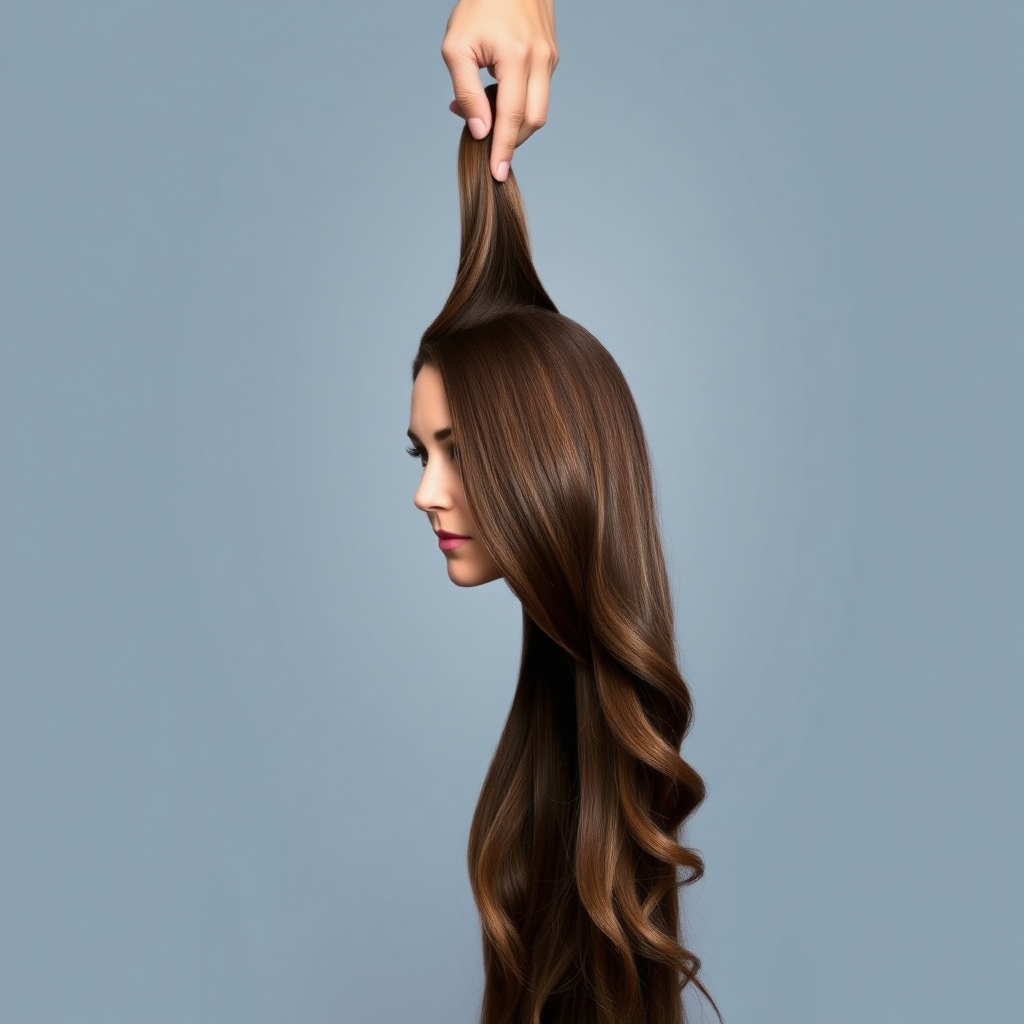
(244, 715)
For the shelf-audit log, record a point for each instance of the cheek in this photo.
(458, 493)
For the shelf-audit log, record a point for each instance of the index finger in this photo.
(509, 114)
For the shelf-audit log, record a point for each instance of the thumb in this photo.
(469, 92)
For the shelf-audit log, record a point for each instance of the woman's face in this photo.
(440, 493)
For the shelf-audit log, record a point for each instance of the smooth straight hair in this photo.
(574, 853)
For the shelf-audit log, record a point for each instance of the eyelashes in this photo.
(420, 453)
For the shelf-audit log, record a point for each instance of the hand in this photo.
(515, 41)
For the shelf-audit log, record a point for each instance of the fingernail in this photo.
(503, 170)
(477, 128)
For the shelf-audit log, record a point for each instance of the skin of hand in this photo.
(515, 41)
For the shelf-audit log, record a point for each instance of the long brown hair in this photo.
(574, 856)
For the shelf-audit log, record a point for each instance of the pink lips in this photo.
(449, 541)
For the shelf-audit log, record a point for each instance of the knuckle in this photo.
(451, 51)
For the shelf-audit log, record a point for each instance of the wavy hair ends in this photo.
(574, 853)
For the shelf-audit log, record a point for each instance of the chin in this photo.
(470, 576)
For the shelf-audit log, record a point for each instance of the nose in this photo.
(433, 491)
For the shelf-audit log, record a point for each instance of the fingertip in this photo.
(502, 153)
(477, 128)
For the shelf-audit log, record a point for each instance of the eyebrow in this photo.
(439, 435)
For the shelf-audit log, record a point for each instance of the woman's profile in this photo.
(536, 470)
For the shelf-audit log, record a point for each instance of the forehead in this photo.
(429, 408)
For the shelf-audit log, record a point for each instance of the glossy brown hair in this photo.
(574, 857)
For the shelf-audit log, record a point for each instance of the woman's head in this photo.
(553, 463)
